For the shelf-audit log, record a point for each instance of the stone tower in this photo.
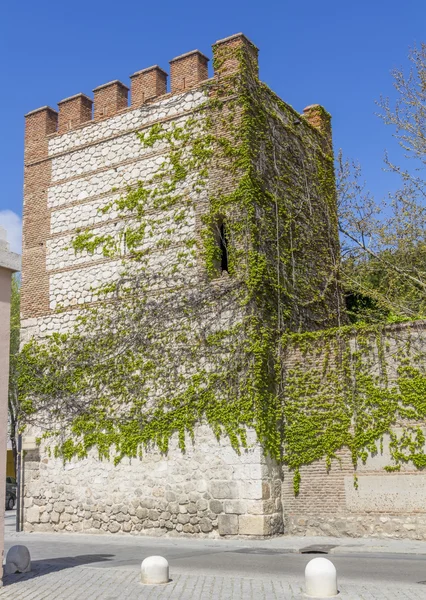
(189, 229)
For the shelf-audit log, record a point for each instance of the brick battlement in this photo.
(148, 85)
(187, 71)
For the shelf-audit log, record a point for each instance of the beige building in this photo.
(9, 263)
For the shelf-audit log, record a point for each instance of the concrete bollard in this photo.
(18, 560)
(155, 570)
(320, 578)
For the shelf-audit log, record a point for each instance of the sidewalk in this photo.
(90, 583)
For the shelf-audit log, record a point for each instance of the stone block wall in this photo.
(84, 169)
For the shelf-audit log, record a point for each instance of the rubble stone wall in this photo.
(209, 490)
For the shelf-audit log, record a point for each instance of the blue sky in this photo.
(335, 52)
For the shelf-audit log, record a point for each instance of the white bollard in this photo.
(321, 578)
(155, 570)
(18, 560)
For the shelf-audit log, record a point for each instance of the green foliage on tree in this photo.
(384, 243)
(13, 396)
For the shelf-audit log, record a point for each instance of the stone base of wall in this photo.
(208, 491)
(367, 525)
(212, 491)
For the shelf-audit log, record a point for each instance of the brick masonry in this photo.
(74, 111)
(148, 84)
(384, 504)
(36, 214)
(188, 70)
(109, 99)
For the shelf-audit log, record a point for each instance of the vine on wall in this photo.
(175, 341)
(354, 387)
(172, 342)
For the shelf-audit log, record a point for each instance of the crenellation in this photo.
(109, 99)
(39, 124)
(128, 121)
(188, 70)
(147, 85)
(73, 111)
(229, 53)
(318, 117)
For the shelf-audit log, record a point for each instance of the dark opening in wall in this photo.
(223, 248)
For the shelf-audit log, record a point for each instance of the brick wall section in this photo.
(74, 111)
(36, 215)
(321, 120)
(225, 64)
(148, 84)
(188, 70)
(109, 99)
(388, 504)
(39, 124)
(222, 179)
(321, 495)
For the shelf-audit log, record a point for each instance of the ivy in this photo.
(175, 342)
(351, 387)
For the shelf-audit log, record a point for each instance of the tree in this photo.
(384, 243)
(13, 398)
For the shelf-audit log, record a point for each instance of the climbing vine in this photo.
(354, 387)
(174, 339)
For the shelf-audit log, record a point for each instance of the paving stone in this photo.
(91, 583)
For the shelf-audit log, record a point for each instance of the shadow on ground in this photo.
(52, 565)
